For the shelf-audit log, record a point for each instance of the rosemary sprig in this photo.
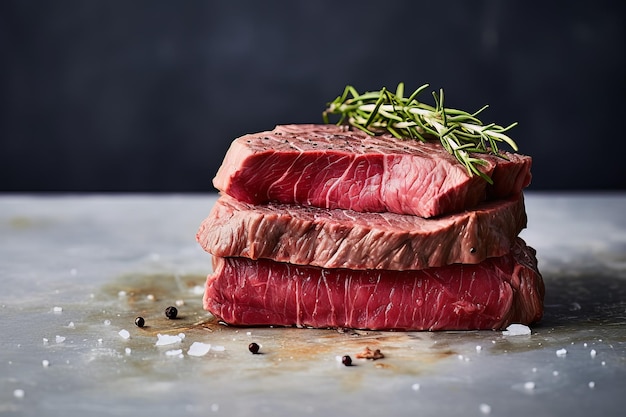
(461, 133)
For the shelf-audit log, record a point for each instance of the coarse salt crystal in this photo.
(555, 373)
(59, 339)
(180, 303)
(479, 348)
(57, 309)
(529, 385)
(485, 408)
(45, 363)
(127, 351)
(516, 330)
(45, 341)
(100, 341)
(592, 384)
(593, 353)
(248, 333)
(199, 349)
(182, 336)
(534, 370)
(121, 294)
(561, 353)
(198, 290)
(124, 334)
(415, 387)
(603, 363)
(71, 325)
(150, 297)
(18, 393)
(107, 322)
(167, 339)
(174, 352)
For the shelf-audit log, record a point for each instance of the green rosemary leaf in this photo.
(460, 133)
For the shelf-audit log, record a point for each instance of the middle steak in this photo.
(347, 239)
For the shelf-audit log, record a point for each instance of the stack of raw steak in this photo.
(323, 226)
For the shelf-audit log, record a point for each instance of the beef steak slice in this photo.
(331, 166)
(347, 239)
(490, 295)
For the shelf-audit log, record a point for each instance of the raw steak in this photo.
(490, 295)
(347, 239)
(331, 166)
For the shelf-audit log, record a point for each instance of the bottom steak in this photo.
(490, 295)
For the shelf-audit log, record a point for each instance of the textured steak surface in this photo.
(347, 239)
(490, 295)
(332, 167)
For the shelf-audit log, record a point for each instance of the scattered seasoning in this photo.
(171, 312)
(253, 348)
(140, 322)
(346, 360)
(370, 354)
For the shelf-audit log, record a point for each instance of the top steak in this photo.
(332, 167)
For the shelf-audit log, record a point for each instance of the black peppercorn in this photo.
(171, 312)
(254, 348)
(472, 250)
(139, 322)
(346, 360)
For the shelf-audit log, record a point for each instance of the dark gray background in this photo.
(147, 95)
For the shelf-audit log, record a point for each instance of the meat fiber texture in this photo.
(333, 167)
(489, 295)
(347, 239)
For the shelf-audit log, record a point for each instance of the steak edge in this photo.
(490, 295)
(332, 167)
(347, 239)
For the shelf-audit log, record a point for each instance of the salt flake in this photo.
(485, 408)
(124, 334)
(59, 339)
(174, 352)
(167, 339)
(561, 353)
(516, 330)
(199, 349)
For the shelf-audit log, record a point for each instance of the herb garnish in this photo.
(460, 132)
